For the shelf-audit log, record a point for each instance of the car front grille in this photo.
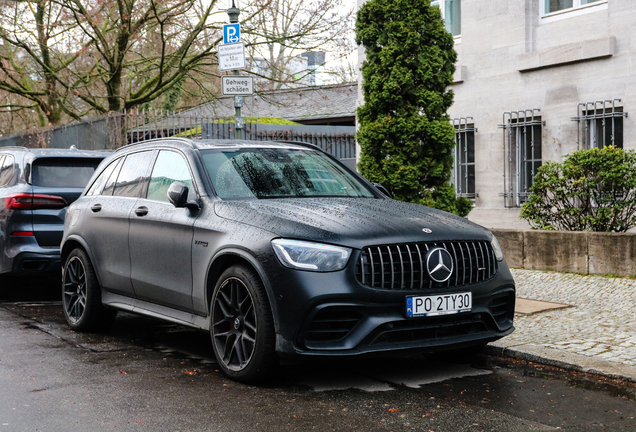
(403, 266)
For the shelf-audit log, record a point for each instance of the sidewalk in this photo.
(595, 334)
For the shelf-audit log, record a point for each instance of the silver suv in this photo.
(36, 187)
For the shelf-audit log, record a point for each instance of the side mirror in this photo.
(178, 196)
(382, 189)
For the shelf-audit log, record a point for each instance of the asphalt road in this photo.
(146, 375)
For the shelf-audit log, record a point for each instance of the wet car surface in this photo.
(279, 252)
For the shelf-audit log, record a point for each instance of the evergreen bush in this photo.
(405, 136)
(592, 190)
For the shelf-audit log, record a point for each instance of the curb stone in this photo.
(562, 359)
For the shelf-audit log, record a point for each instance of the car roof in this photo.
(219, 144)
(53, 152)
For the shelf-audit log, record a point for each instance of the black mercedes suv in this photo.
(36, 187)
(277, 249)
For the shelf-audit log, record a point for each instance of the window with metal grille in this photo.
(522, 153)
(600, 124)
(464, 165)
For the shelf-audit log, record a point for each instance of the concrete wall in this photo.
(578, 252)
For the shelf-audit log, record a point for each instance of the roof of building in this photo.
(299, 104)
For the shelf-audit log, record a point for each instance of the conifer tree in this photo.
(405, 135)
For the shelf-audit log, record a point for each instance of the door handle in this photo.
(96, 207)
(141, 211)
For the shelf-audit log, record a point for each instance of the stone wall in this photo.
(578, 252)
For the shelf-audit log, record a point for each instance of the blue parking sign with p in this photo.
(231, 33)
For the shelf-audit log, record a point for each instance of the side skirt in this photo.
(141, 307)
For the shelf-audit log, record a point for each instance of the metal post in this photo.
(233, 13)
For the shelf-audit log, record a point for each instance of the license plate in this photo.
(442, 304)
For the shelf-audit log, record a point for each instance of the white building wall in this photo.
(511, 58)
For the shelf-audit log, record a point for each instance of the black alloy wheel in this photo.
(241, 326)
(81, 295)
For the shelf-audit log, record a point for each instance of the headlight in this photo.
(311, 256)
(496, 248)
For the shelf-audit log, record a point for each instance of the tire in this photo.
(242, 327)
(82, 296)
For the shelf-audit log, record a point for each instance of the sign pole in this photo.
(233, 13)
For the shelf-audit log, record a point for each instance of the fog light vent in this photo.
(332, 324)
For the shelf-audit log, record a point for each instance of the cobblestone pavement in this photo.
(601, 324)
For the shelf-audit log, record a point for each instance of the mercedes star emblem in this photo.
(439, 264)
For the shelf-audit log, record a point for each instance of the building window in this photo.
(522, 154)
(464, 166)
(551, 6)
(600, 124)
(452, 14)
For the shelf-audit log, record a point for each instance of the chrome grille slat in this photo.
(473, 262)
(408, 249)
(456, 271)
(401, 267)
(372, 268)
(381, 267)
(483, 260)
(419, 254)
(464, 267)
(361, 264)
(392, 267)
(430, 282)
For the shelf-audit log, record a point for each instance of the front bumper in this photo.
(353, 329)
(332, 314)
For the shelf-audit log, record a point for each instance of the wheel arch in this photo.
(73, 242)
(234, 256)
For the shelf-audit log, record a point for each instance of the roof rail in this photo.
(154, 140)
(14, 148)
(302, 143)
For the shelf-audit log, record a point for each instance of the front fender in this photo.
(228, 256)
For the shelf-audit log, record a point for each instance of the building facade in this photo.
(535, 81)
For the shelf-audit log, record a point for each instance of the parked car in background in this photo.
(36, 187)
(276, 249)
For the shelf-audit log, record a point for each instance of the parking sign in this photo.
(231, 33)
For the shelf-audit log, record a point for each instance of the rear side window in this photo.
(6, 170)
(112, 179)
(98, 185)
(63, 172)
(133, 177)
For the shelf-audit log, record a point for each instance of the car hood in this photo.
(351, 222)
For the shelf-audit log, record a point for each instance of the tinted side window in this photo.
(170, 167)
(112, 179)
(98, 185)
(6, 170)
(133, 177)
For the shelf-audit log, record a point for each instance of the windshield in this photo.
(279, 173)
